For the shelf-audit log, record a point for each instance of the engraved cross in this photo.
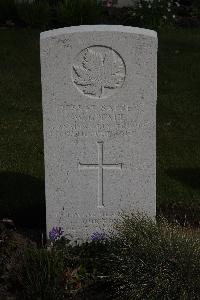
(100, 167)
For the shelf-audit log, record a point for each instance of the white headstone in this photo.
(99, 110)
(120, 3)
(126, 3)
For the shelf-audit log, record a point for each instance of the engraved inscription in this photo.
(100, 167)
(98, 71)
(99, 121)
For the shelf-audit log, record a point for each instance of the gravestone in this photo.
(120, 3)
(126, 3)
(99, 112)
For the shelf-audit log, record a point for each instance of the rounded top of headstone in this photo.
(98, 28)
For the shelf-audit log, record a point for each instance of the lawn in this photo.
(178, 120)
(178, 113)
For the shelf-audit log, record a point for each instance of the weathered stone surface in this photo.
(99, 109)
(126, 3)
(120, 3)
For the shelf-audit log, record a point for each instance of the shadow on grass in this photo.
(184, 211)
(22, 198)
(189, 177)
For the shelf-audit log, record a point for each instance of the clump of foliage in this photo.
(142, 259)
(8, 10)
(154, 14)
(12, 244)
(39, 274)
(50, 13)
(36, 13)
(70, 12)
(4, 249)
(60, 270)
(155, 261)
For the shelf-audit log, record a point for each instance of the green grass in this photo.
(178, 146)
(21, 151)
(178, 114)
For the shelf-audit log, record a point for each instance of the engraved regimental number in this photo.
(98, 71)
(100, 167)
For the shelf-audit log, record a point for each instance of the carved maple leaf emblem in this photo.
(99, 72)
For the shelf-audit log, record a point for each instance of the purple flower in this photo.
(55, 233)
(98, 236)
